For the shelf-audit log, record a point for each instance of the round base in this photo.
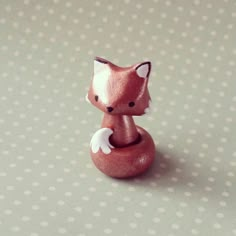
(127, 161)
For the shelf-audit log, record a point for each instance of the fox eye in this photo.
(131, 104)
(96, 98)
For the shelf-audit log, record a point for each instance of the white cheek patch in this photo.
(100, 84)
(148, 110)
(86, 98)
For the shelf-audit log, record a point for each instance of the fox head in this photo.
(120, 90)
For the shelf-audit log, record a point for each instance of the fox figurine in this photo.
(120, 148)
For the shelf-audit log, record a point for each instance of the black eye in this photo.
(131, 104)
(96, 98)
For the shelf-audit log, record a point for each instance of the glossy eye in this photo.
(131, 104)
(96, 98)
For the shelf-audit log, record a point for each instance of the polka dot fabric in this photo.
(49, 185)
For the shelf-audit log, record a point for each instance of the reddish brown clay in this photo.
(120, 148)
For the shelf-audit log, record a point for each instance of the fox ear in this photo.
(99, 65)
(143, 70)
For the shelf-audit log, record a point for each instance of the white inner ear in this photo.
(143, 70)
(99, 66)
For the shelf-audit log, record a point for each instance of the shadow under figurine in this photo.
(120, 148)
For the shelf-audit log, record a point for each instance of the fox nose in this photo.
(109, 109)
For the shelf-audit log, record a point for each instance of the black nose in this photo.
(109, 109)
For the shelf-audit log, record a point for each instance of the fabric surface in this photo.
(48, 183)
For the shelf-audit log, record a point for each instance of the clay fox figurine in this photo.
(120, 148)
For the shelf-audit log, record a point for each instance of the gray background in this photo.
(48, 184)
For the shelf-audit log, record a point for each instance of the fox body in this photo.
(120, 93)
